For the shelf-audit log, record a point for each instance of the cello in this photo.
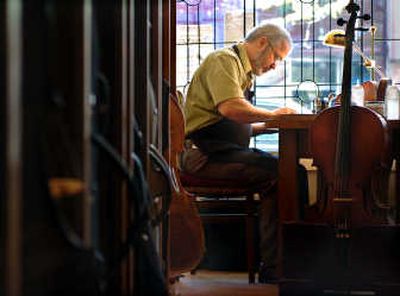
(345, 245)
(348, 142)
(186, 236)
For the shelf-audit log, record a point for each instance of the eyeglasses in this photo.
(277, 57)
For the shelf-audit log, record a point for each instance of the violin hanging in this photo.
(345, 245)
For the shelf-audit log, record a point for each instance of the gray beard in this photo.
(258, 60)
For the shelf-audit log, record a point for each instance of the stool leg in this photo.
(250, 246)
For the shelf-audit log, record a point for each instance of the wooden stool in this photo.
(225, 201)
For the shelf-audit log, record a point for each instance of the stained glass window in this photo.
(205, 25)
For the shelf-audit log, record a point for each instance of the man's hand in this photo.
(265, 127)
(283, 111)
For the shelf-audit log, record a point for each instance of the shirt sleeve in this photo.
(222, 79)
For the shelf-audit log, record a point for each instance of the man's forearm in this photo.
(242, 111)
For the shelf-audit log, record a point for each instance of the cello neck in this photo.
(342, 166)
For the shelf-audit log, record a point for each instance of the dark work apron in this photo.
(222, 136)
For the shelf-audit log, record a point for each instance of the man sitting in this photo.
(220, 119)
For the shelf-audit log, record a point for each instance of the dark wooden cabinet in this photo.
(70, 70)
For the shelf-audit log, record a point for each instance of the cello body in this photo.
(368, 152)
(186, 236)
(344, 245)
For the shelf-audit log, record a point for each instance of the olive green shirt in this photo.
(221, 76)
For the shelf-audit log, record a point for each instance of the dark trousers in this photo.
(252, 166)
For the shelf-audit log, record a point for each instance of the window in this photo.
(205, 25)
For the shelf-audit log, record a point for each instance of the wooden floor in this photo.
(215, 283)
